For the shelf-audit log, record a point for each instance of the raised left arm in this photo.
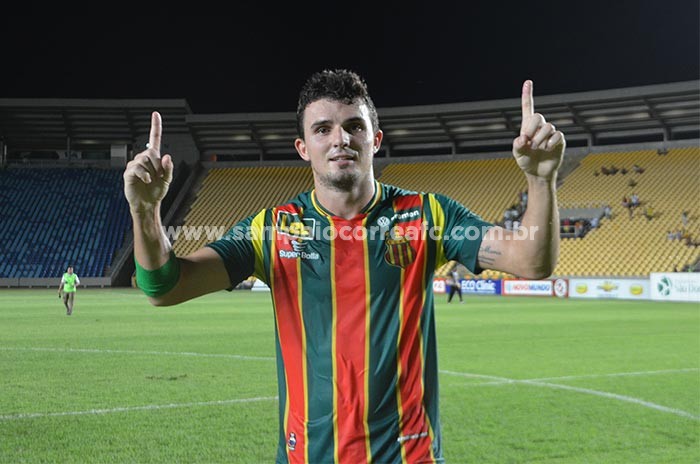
(531, 251)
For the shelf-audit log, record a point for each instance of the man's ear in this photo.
(378, 136)
(300, 145)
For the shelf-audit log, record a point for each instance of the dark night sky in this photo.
(410, 55)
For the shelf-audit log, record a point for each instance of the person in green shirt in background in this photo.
(69, 282)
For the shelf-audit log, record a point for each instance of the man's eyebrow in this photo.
(354, 119)
(325, 122)
(320, 122)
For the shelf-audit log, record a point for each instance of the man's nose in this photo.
(341, 137)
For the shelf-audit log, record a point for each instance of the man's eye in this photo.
(357, 128)
(322, 130)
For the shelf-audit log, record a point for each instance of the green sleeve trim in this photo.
(159, 281)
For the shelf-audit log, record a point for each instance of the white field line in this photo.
(494, 381)
(504, 381)
(619, 374)
(588, 391)
(150, 353)
(149, 407)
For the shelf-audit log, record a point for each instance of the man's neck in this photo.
(346, 204)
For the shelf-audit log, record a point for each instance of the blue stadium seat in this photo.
(51, 217)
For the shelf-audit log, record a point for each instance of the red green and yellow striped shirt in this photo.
(355, 328)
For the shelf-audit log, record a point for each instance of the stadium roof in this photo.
(627, 115)
(51, 124)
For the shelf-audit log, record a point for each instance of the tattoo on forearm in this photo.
(488, 255)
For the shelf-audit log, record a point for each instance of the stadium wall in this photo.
(659, 286)
(27, 282)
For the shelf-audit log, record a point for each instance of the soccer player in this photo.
(350, 265)
(455, 286)
(69, 282)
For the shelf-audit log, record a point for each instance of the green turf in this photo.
(523, 380)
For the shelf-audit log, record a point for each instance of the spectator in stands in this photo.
(523, 200)
(607, 212)
(634, 200)
(684, 218)
(69, 283)
(684, 235)
(631, 182)
(623, 170)
(627, 204)
(688, 239)
(637, 169)
(595, 221)
(566, 226)
(455, 283)
(649, 212)
(517, 211)
(347, 274)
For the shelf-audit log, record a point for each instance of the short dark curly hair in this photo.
(339, 85)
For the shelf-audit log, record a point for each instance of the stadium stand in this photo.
(634, 245)
(53, 217)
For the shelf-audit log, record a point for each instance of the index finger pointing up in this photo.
(156, 131)
(527, 100)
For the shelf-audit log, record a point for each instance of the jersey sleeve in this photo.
(241, 249)
(458, 232)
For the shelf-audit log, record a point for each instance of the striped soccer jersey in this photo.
(355, 329)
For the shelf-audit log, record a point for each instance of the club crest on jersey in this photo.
(298, 228)
(399, 251)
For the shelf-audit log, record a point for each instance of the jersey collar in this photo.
(371, 204)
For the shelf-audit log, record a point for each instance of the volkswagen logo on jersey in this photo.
(383, 222)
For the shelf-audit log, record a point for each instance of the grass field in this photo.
(523, 380)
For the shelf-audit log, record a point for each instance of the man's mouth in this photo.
(343, 158)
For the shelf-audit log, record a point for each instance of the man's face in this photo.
(70, 270)
(339, 142)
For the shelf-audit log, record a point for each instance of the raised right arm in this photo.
(167, 279)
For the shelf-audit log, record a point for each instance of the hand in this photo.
(539, 148)
(147, 177)
(59, 294)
